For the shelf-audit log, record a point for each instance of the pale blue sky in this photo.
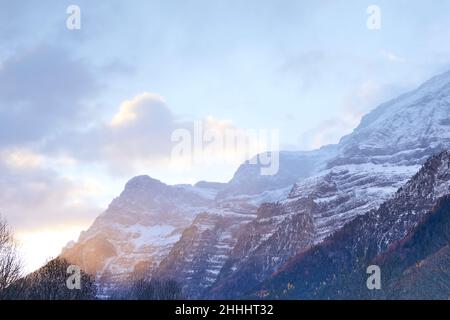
(310, 69)
(262, 64)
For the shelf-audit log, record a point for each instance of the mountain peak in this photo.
(405, 130)
(412, 99)
(143, 181)
(436, 82)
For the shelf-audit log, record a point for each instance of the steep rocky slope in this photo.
(336, 268)
(366, 169)
(197, 258)
(221, 240)
(315, 208)
(139, 228)
(418, 266)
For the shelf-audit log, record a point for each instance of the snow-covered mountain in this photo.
(293, 166)
(200, 255)
(366, 169)
(139, 228)
(405, 233)
(220, 240)
(405, 130)
(315, 208)
(197, 258)
(150, 222)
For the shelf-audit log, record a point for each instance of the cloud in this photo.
(44, 185)
(21, 159)
(143, 134)
(45, 92)
(140, 132)
(41, 91)
(45, 209)
(34, 195)
(139, 138)
(147, 106)
(137, 135)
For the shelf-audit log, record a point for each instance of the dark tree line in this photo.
(50, 283)
(47, 283)
(149, 289)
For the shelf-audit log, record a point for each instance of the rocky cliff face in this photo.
(139, 228)
(366, 168)
(315, 208)
(197, 258)
(336, 268)
(418, 266)
(150, 222)
(223, 240)
(200, 256)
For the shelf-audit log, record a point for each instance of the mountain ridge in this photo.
(318, 192)
(342, 258)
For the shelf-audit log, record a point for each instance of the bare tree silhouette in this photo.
(10, 264)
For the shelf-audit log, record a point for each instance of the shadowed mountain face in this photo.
(224, 240)
(336, 268)
(418, 267)
(212, 236)
(366, 169)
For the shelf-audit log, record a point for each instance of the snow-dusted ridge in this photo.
(360, 173)
(211, 236)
